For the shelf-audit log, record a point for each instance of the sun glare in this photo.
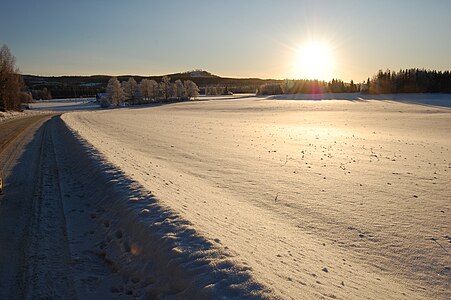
(314, 61)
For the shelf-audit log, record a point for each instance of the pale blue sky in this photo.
(240, 38)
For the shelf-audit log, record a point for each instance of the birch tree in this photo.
(130, 89)
(115, 94)
(180, 89)
(165, 87)
(192, 91)
(148, 89)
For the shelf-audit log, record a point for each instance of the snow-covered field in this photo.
(57, 105)
(62, 105)
(333, 199)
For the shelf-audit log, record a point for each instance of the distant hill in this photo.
(88, 86)
(197, 74)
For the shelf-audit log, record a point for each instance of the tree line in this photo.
(384, 82)
(409, 81)
(147, 91)
(307, 86)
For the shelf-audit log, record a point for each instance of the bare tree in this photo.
(115, 94)
(10, 81)
(192, 91)
(46, 95)
(25, 97)
(43, 94)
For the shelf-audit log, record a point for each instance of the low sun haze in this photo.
(267, 39)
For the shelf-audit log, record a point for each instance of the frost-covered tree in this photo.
(172, 90)
(43, 94)
(148, 89)
(115, 94)
(192, 91)
(131, 89)
(165, 87)
(10, 81)
(154, 94)
(214, 90)
(180, 91)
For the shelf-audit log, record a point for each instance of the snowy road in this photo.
(25, 150)
(346, 199)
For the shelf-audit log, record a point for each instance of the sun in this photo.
(314, 60)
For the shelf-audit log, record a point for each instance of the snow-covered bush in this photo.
(105, 102)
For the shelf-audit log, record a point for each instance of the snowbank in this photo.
(10, 115)
(5, 116)
(160, 253)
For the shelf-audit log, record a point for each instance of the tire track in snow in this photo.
(48, 256)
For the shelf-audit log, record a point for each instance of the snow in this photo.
(437, 99)
(4, 116)
(304, 199)
(56, 105)
(9, 115)
(63, 105)
(125, 244)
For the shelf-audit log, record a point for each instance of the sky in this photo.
(234, 38)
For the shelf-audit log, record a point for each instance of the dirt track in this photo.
(10, 129)
(14, 135)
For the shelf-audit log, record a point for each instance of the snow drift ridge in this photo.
(149, 243)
